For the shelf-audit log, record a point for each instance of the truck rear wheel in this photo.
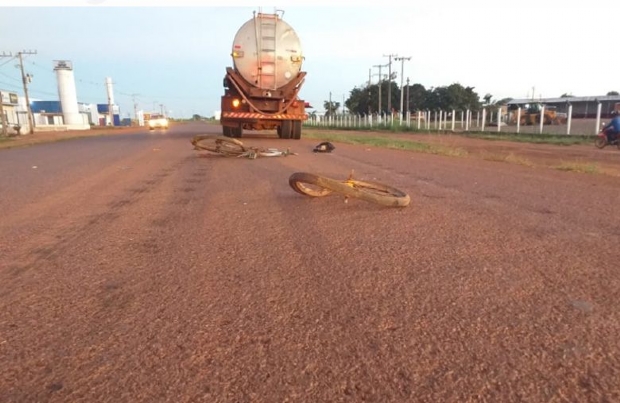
(296, 134)
(227, 131)
(237, 132)
(286, 129)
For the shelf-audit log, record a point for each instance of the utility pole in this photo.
(135, 107)
(407, 95)
(390, 56)
(330, 105)
(27, 78)
(108, 84)
(402, 71)
(369, 85)
(161, 108)
(380, 84)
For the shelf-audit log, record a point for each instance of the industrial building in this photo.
(66, 113)
(583, 107)
(50, 113)
(14, 109)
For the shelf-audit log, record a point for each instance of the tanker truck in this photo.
(262, 87)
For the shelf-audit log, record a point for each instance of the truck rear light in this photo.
(235, 103)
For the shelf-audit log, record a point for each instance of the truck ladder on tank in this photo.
(267, 51)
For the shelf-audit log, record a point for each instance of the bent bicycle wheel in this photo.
(307, 184)
(219, 144)
(374, 192)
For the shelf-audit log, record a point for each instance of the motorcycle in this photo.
(602, 140)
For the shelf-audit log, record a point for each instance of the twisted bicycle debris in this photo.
(375, 192)
(230, 147)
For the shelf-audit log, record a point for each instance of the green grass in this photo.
(553, 139)
(384, 142)
(582, 167)
(511, 158)
(416, 146)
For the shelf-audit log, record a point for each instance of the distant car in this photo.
(158, 122)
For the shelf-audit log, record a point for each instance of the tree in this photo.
(365, 99)
(454, 96)
(566, 95)
(360, 99)
(330, 109)
(613, 93)
(417, 97)
(395, 93)
(487, 99)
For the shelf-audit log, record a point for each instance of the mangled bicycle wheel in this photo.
(375, 192)
(219, 144)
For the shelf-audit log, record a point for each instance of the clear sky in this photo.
(175, 54)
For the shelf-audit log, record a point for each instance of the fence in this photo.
(485, 120)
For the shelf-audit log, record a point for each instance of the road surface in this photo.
(134, 268)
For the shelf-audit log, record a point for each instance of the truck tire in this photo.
(296, 134)
(226, 131)
(286, 129)
(237, 132)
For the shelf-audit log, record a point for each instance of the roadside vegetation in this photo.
(582, 167)
(553, 139)
(383, 141)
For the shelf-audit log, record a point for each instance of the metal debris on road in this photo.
(324, 147)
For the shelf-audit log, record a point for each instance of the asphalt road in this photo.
(136, 269)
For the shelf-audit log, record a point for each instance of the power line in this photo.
(43, 92)
(8, 61)
(12, 78)
(88, 82)
(37, 65)
(10, 85)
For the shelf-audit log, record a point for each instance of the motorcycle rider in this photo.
(612, 129)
